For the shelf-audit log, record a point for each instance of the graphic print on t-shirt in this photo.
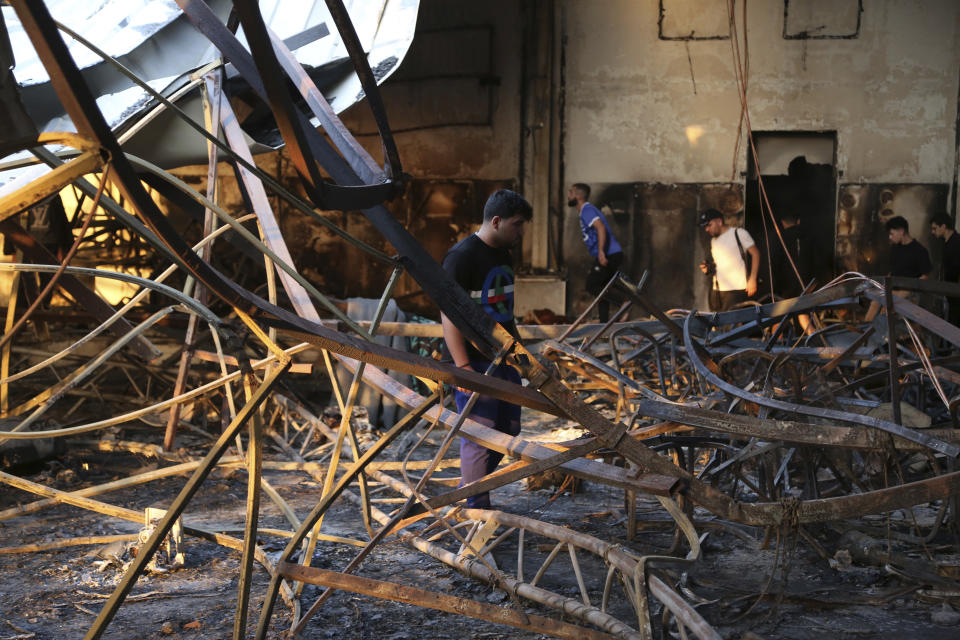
(496, 297)
(486, 274)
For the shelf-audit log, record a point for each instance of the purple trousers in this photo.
(476, 461)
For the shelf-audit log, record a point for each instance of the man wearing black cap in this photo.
(730, 248)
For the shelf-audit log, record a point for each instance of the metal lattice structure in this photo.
(729, 410)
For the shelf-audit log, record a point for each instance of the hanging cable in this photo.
(741, 66)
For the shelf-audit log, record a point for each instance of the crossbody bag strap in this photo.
(743, 255)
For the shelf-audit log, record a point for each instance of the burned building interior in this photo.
(226, 409)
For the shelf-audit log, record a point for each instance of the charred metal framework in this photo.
(705, 411)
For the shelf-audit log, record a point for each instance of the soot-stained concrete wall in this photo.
(454, 104)
(640, 107)
(651, 99)
(648, 112)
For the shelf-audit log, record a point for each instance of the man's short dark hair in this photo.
(506, 204)
(582, 188)
(898, 222)
(941, 219)
(790, 216)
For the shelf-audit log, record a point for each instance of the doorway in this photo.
(799, 176)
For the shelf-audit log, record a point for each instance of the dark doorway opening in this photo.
(799, 177)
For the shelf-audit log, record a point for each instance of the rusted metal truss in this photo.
(730, 412)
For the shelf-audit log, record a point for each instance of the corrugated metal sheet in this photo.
(156, 40)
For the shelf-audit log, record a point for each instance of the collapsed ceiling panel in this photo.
(158, 43)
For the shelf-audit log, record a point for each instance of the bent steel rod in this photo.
(254, 471)
(127, 219)
(539, 595)
(80, 105)
(49, 287)
(602, 367)
(759, 514)
(453, 301)
(132, 415)
(288, 118)
(117, 315)
(269, 227)
(78, 499)
(354, 153)
(475, 569)
(284, 263)
(405, 508)
(613, 554)
(192, 305)
(841, 416)
(326, 500)
(279, 189)
(517, 447)
(775, 429)
(180, 503)
(348, 35)
(302, 139)
(35, 253)
(48, 398)
(441, 602)
(346, 427)
(210, 95)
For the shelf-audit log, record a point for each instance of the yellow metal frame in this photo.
(91, 159)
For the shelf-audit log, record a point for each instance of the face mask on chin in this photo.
(572, 202)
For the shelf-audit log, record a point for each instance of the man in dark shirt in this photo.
(787, 259)
(481, 263)
(785, 282)
(908, 258)
(941, 226)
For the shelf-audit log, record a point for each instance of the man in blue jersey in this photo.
(482, 264)
(602, 245)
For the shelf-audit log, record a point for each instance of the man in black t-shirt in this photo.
(481, 263)
(908, 258)
(785, 282)
(941, 226)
